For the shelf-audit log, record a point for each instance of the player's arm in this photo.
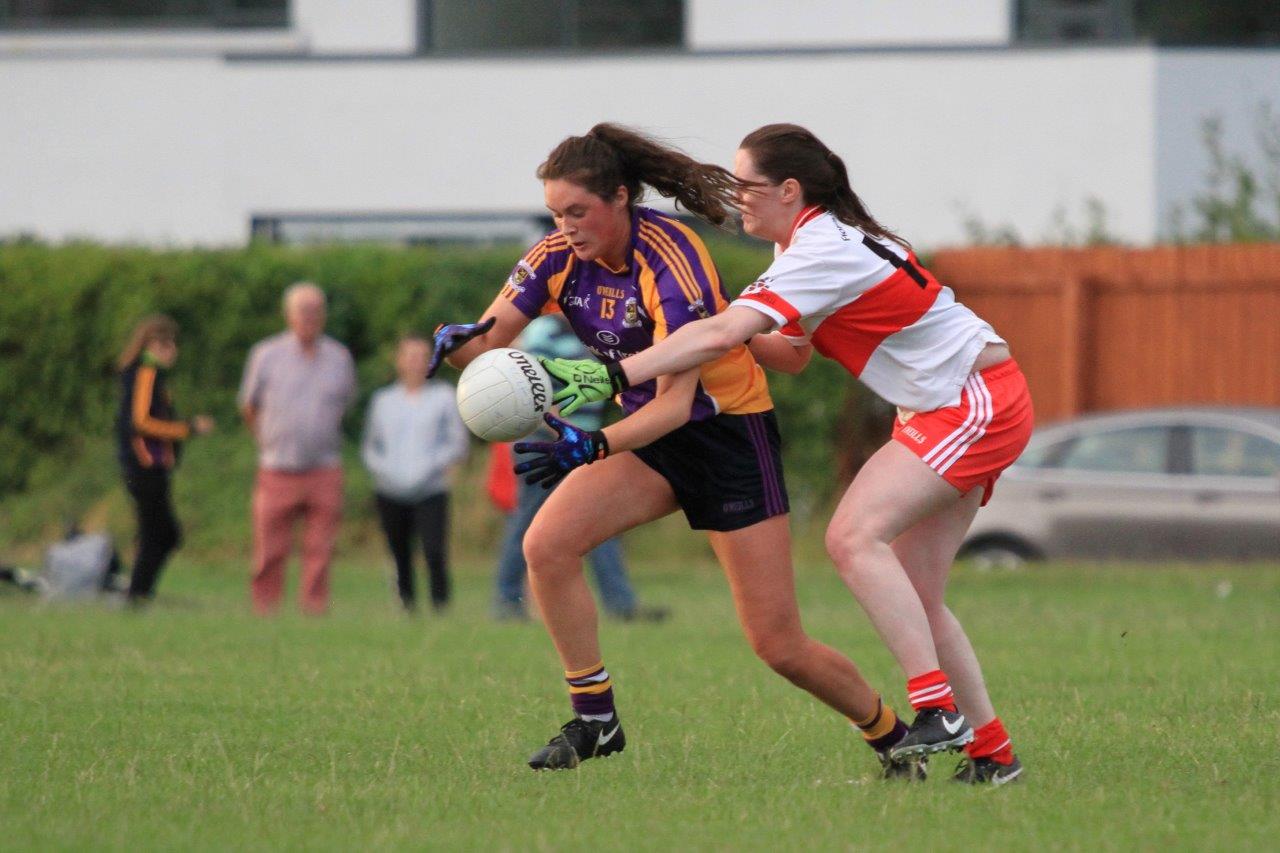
(695, 343)
(250, 415)
(689, 346)
(774, 352)
(668, 410)
(460, 343)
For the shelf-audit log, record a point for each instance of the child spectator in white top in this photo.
(412, 437)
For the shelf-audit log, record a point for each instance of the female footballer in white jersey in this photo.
(845, 285)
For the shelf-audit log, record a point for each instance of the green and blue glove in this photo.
(585, 380)
(556, 459)
(448, 338)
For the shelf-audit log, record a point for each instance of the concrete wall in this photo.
(186, 150)
(379, 26)
(1241, 89)
(846, 23)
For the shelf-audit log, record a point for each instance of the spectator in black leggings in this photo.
(149, 434)
(412, 437)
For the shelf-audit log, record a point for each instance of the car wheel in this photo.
(1007, 554)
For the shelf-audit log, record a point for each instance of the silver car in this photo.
(1185, 483)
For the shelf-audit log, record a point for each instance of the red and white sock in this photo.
(991, 741)
(931, 690)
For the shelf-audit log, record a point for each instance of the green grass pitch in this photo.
(1142, 699)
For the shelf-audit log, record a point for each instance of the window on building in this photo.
(460, 26)
(1168, 22)
(114, 14)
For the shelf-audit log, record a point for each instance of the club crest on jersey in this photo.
(699, 307)
(518, 276)
(630, 314)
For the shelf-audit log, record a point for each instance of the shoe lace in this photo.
(576, 724)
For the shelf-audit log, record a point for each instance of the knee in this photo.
(849, 546)
(543, 555)
(781, 651)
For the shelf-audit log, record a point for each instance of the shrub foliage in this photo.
(65, 312)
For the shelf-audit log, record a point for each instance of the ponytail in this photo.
(612, 156)
(782, 151)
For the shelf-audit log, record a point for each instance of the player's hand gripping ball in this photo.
(447, 338)
(556, 459)
(503, 394)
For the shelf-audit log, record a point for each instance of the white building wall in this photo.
(730, 24)
(187, 150)
(130, 150)
(1241, 89)
(343, 26)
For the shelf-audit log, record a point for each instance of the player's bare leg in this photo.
(893, 492)
(927, 552)
(593, 504)
(757, 563)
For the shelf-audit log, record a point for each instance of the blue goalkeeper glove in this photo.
(448, 338)
(585, 381)
(556, 459)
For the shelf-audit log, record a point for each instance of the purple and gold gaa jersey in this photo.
(669, 280)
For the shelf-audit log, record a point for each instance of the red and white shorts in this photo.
(971, 443)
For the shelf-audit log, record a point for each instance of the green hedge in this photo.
(65, 312)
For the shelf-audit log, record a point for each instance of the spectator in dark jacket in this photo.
(149, 434)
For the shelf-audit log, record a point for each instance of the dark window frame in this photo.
(221, 15)
(569, 23)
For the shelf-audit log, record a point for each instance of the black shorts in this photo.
(726, 471)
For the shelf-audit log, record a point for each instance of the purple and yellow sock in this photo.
(882, 729)
(591, 692)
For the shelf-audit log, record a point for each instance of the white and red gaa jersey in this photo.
(869, 305)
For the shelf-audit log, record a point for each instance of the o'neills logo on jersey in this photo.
(535, 381)
(755, 287)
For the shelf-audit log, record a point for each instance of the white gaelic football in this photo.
(503, 394)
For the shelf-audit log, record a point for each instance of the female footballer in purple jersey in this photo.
(703, 440)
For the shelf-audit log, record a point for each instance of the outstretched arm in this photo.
(695, 343)
(669, 409)
(690, 346)
(460, 344)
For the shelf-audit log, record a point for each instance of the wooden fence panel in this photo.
(1112, 328)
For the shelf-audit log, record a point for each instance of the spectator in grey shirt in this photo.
(412, 437)
(296, 386)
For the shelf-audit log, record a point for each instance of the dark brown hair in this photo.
(611, 156)
(782, 151)
(150, 330)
